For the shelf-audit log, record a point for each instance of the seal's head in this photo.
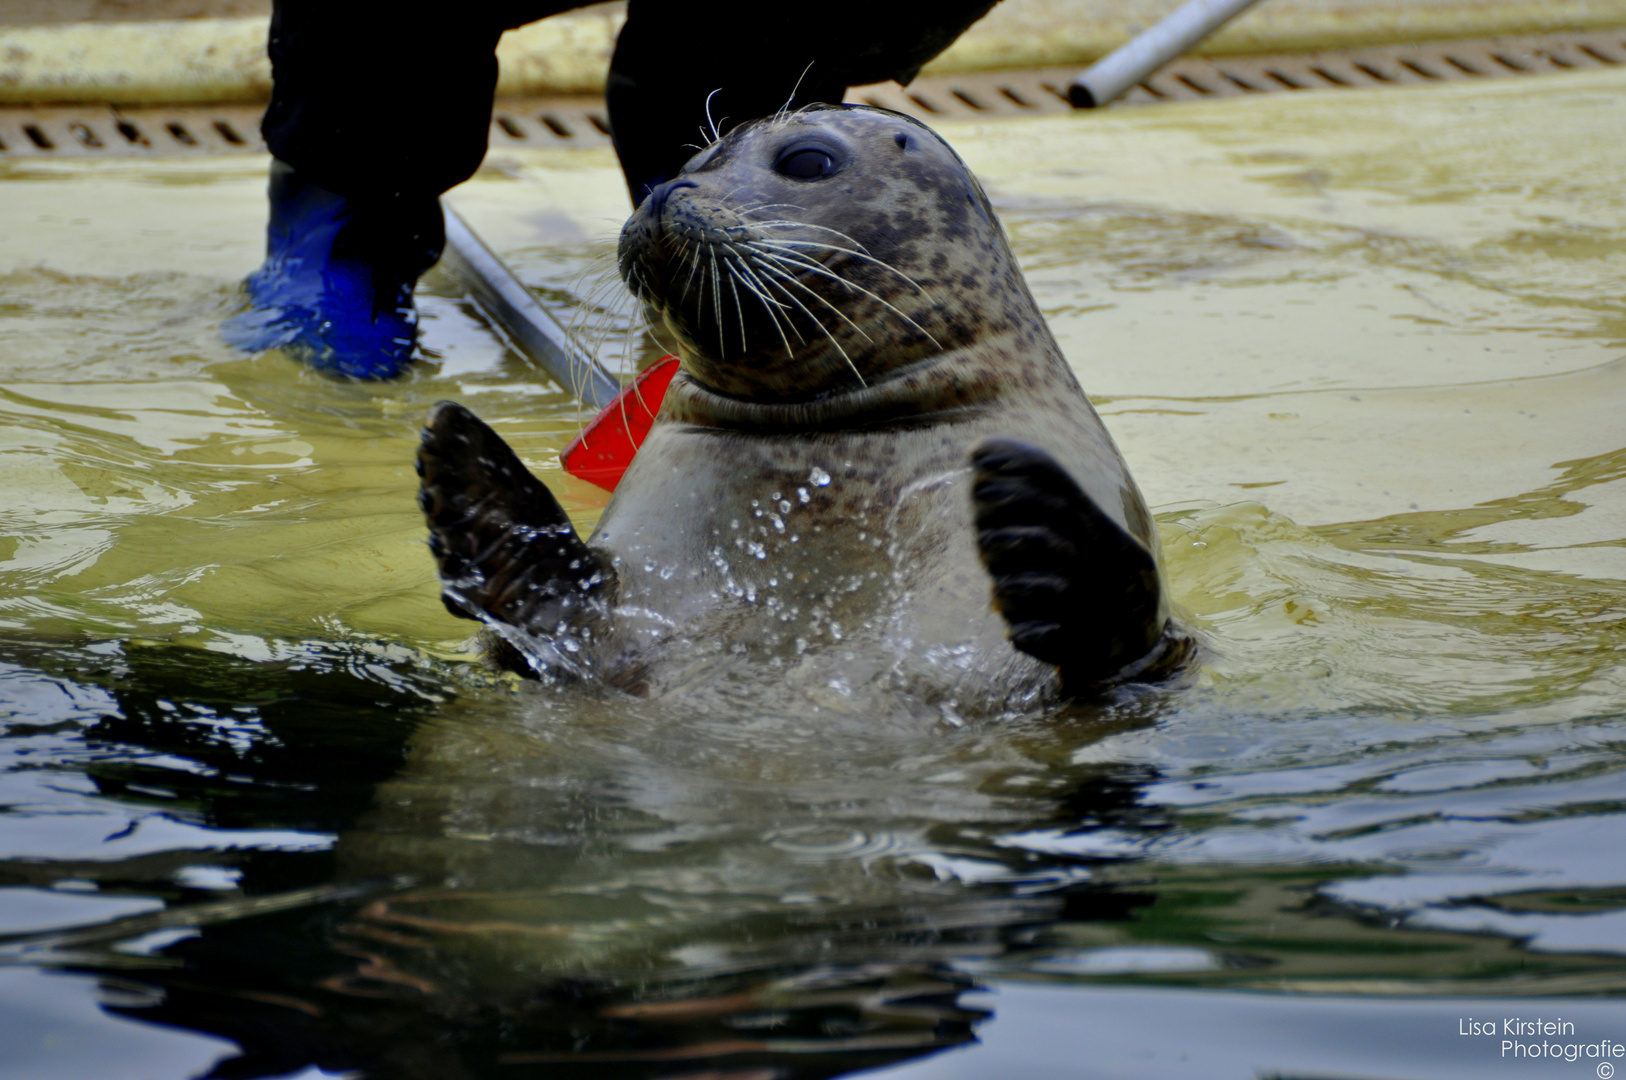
(818, 251)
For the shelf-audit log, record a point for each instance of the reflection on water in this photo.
(1365, 358)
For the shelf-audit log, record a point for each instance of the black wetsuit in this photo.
(386, 101)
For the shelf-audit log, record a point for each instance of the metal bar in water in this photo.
(1130, 64)
(532, 329)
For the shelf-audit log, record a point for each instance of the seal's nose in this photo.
(656, 202)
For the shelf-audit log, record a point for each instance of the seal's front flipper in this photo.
(1077, 590)
(507, 551)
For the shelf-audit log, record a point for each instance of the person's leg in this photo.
(376, 110)
(750, 62)
(335, 289)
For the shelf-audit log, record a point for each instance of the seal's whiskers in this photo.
(792, 223)
(747, 275)
(601, 313)
(781, 269)
(784, 110)
(715, 134)
(742, 261)
(739, 309)
(717, 302)
(825, 330)
(693, 255)
(777, 309)
(858, 252)
(797, 259)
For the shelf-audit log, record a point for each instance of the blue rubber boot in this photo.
(336, 288)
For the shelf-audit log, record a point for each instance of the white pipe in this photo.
(529, 326)
(1174, 36)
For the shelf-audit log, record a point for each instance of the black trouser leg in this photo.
(749, 62)
(387, 105)
(368, 101)
(380, 101)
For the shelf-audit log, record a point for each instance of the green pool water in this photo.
(261, 813)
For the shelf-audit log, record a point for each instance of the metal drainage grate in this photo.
(1196, 78)
(104, 131)
(92, 130)
(549, 122)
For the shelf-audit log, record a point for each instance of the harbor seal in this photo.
(872, 433)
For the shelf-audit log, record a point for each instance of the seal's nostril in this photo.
(659, 195)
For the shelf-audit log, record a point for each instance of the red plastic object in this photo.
(604, 449)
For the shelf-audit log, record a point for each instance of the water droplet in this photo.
(818, 477)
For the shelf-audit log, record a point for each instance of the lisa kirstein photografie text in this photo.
(1513, 1031)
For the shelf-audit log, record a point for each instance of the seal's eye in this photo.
(806, 163)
